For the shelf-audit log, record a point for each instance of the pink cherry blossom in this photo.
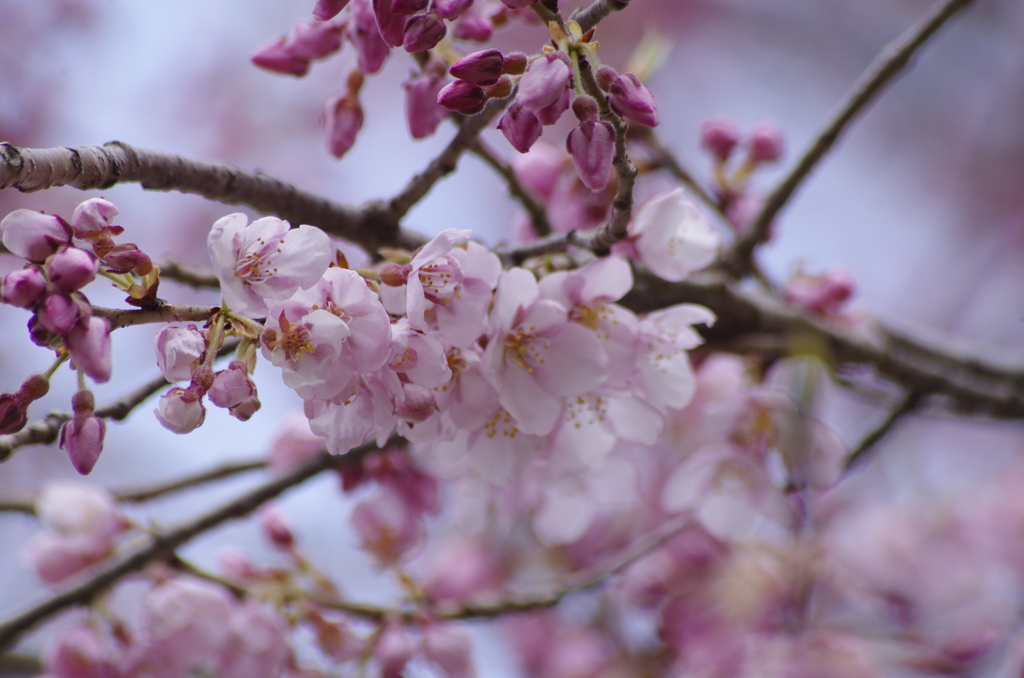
(80, 652)
(93, 219)
(33, 235)
(181, 410)
(256, 645)
(178, 350)
(545, 80)
(671, 238)
(394, 649)
(23, 288)
(265, 261)
(71, 269)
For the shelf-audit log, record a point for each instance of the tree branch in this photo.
(886, 66)
(99, 167)
(537, 211)
(666, 160)
(171, 269)
(167, 313)
(164, 544)
(859, 453)
(591, 16)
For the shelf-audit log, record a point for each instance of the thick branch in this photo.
(886, 66)
(168, 313)
(967, 382)
(99, 167)
(164, 544)
(589, 17)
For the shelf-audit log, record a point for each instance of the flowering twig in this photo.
(167, 313)
(538, 213)
(589, 17)
(887, 65)
(164, 543)
(98, 167)
(859, 453)
(443, 165)
(969, 384)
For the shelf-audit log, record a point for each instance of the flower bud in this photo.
(634, 102)
(177, 348)
(514, 64)
(82, 437)
(500, 89)
(422, 112)
(13, 413)
(408, 7)
(474, 27)
(551, 114)
(605, 76)
(126, 257)
(394, 649)
(244, 410)
(766, 144)
(824, 294)
(328, 9)
(92, 219)
(276, 529)
(451, 9)
(520, 126)
(71, 269)
(423, 32)
(544, 81)
(41, 336)
(480, 68)
(592, 147)
(276, 57)
(181, 410)
(391, 26)
(59, 313)
(371, 49)
(343, 118)
(33, 235)
(88, 342)
(231, 387)
(585, 108)
(719, 137)
(23, 288)
(462, 97)
(394, 275)
(314, 40)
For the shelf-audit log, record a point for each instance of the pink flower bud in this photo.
(766, 144)
(462, 97)
(343, 118)
(605, 76)
(33, 235)
(423, 32)
(450, 649)
(371, 49)
(474, 27)
(58, 313)
(719, 137)
(394, 275)
(480, 68)
(276, 57)
(92, 219)
(520, 126)
(244, 410)
(592, 147)
(89, 345)
(276, 529)
(544, 81)
(422, 112)
(451, 9)
(180, 410)
(328, 9)
(177, 348)
(78, 652)
(408, 7)
(71, 269)
(126, 257)
(390, 25)
(393, 650)
(13, 413)
(314, 40)
(232, 386)
(23, 288)
(634, 102)
(552, 113)
(824, 294)
(82, 438)
(515, 64)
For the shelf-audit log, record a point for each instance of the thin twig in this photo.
(859, 453)
(591, 16)
(171, 269)
(886, 66)
(665, 159)
(537, 211)
(166, 542)
(100, 167)
(167, 313)
(445, 163)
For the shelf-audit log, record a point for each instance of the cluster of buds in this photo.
(480, 76)
(720, 138)
(308, 42)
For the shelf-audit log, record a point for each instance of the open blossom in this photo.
(80, 652)
(671, 238)
(265, 260)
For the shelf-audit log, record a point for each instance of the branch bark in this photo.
(591, 16)
(892, 60)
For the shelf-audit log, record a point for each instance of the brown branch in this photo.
(537, 211)
(99, 167)
(165, 543)
(171, 269)
(666, 160)
(445, 163)
(887, 65)
(859, 453)
(168, 313)
(591, 16)
(994, 391)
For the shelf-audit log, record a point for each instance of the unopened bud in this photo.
(422, 32)
(394, 275)
(500, 89)
(328, 9)
(585, 108)
(634, 102)
(71, 269)
(276, 529)
(592, 147)
(605, 76)
(83, 402)
(462, 97)
(23, 288)
(275, 57)
(480, 68)
(514, 64)
(719, 137)
(766, 144)
(520, 126)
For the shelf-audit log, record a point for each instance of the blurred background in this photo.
(923, 200)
